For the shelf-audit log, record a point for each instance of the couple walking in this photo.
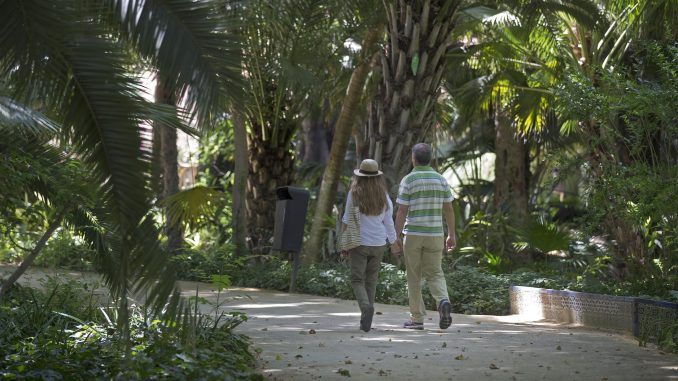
(423, 198)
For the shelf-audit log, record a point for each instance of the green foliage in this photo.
(472, 290)
(543, 236)
(67, 251)
(55, 335)
(203, 265)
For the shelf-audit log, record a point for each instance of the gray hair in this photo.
(421, 152)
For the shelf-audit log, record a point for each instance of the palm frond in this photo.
(190, 206)
(20, 119)
(192, 42)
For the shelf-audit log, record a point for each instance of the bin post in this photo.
(290, 219)
(295, 271)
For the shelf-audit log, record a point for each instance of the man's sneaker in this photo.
(444, 312)
(366, 318)
(412, 325)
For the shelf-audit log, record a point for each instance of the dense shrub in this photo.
(54, 335)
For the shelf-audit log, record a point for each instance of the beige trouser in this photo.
(423, 257)
(365, 264)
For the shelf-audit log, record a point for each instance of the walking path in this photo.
(304, 337)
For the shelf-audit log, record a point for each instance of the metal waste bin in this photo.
(290, 218)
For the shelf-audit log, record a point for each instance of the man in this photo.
(424, 197)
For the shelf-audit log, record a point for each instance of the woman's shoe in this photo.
(366, 318)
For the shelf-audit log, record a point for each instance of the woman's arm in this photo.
(388, 222)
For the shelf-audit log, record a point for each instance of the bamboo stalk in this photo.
(400, 69)
(408, 20)
(424, 16)
(423, 61)
(414, 41)
(394, 35)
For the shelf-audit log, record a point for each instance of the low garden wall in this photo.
(643, 318)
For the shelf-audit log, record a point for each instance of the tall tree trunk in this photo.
(413, 63)
(164, 94)
(56, 222)
(511, 190)
(342, 135)
(271, 165)
(314, 140)
(240, 186)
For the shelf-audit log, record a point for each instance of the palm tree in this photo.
(291, 47)
(71, 58)
(343, 129)
(516, 65)
(412, 65)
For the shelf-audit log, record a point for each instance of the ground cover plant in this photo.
(63, 331)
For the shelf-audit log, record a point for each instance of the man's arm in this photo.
(448, 211)
(401, 214)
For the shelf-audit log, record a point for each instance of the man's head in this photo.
(421, 154)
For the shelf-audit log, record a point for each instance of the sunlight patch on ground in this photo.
(353, 314)
(276, 305)
(388, 338)
(501, 331)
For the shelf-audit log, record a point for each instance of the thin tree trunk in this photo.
(56, 222)
(342, 135)
(168, 153)
(511, 190)
(240, 186)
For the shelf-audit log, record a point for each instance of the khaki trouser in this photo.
(365, 264)
(423, 257)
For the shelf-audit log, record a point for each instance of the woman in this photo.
(368, 193)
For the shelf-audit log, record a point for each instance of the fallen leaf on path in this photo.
(382, 373)
(492, 366)
(321, 344)
(311, 331)
(558, 348)
(444, 345)
(264, 329)
(298, 356)
(347, 362)
(460, 357)
(344, 372)
(278, 357)
(378, 313)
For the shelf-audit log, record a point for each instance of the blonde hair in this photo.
(369, 194)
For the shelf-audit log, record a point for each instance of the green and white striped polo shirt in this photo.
(424, 191)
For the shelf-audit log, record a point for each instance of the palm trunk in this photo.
(56, 222)
(168, 156)
(271, 166)
(511, 190)
(342, 135)
(412, 64)
(240, 186)
(314, 137)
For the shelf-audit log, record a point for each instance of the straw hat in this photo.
(368, 168)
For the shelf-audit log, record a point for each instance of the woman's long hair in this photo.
(369, 194)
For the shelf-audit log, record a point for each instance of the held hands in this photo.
(397, 247)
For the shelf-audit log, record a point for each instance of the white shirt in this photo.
(374, 230)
